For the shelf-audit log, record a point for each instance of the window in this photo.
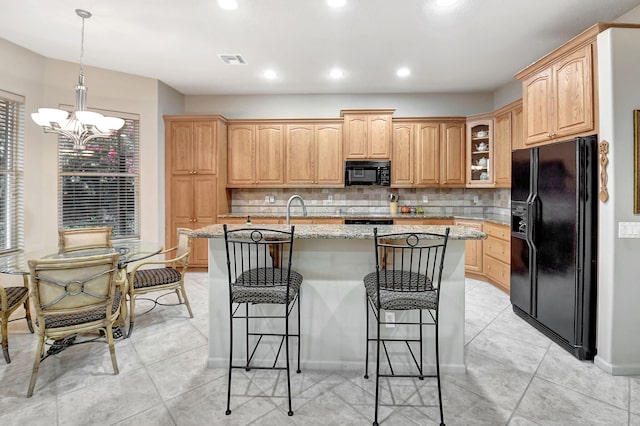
(100, 186)
(11, 172)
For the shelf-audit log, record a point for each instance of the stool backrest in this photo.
(268, 251)
(410, 262)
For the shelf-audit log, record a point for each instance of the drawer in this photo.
(499, 249)
(497, 271)
(497, 231)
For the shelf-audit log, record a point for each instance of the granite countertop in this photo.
(499, 219)
(347, 232)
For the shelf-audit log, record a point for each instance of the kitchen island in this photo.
(333, 259)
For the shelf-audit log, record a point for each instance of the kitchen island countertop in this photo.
(361, 232)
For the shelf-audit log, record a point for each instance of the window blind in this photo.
(11, 172)
(100, 185)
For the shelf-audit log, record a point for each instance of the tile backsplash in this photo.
(373, 200)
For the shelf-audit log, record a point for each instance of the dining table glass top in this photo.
(129, 250)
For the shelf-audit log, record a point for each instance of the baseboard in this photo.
(617, 369)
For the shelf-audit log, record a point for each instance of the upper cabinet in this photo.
(559, 92)
(195, 169)
(313, 155)
(427, 154)
(367, 134)
(255, 155)
(402, 155)
(507, 136)
(192, 147)
(480, 153)
(452, 150)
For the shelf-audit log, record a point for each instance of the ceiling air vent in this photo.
(232, 59)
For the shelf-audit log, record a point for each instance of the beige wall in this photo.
(329, 106)
(50, 83)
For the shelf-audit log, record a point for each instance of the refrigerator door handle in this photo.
(532, 215)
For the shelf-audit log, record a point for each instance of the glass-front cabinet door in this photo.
(480, 153)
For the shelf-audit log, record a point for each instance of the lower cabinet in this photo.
(497, 255)
(472, 248)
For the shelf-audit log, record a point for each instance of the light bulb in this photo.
(228, 4)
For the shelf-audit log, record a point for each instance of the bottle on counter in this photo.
(248, 220)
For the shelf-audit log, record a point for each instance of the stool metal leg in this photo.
(230, 358)
(246, 316)
(286, 348)
(375, 418)
(299, 333)
(421, 355)
(438, 373)
(366, 343)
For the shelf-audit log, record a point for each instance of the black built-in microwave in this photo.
(367, 173)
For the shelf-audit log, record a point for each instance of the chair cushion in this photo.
(265, 285)
(158, 276)
(415, 292)
(55, 321)
(14, 296)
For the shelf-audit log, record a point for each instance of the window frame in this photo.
(12, 206)
(65, 148)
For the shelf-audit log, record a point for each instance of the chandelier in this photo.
(81, 125)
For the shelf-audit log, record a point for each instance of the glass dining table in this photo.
(130, 251)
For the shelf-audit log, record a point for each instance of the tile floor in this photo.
(515, 376)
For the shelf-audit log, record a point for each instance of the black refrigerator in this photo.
(554, 241)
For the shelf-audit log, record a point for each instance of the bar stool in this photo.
(407, 277)
(255, 259)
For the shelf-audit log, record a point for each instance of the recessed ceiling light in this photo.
(336, 73)
(228, 4)
(270, 75)
(445, 2)
(336, 3)
(403, 72)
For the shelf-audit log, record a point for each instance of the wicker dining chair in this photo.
(73, 239)
(407, 278)
(143, 280)
(10, 299)
(259, 262)
(71, 296)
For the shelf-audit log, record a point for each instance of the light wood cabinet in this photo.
(402, 155)
(195, 157)
(559, 95)
(427, 160)
(255, 155)
(517, 127)
(452, 155)
(497, 255)
(480, 153)
(367, 134)
(427, 154)
(313, 154)
(472, 248)
(507, 136)
(503, 129)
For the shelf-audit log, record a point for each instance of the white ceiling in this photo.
(476, 45)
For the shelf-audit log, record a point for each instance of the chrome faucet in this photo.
(304, 208)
